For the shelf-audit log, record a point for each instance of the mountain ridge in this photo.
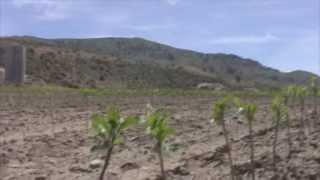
(229, 69)
(163, 44)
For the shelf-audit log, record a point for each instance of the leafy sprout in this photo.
(280, 111)
(248, 110)
(219, 109)
(157, 123)
(289, 92)
(313, 86)
(314, 91)
(277, 105)
(108, 127)
(301, 93)
(157, 127)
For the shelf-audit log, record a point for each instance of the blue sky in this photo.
(283, 34)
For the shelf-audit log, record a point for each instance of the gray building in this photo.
(13, 63)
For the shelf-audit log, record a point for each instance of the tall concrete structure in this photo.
(2, 74)
(13, 59)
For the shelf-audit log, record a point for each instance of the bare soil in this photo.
(45, 138)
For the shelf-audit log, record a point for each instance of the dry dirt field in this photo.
(48, 138)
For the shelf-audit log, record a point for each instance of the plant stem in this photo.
(317, 117)
(275, 140)
(106, 162)
(289, 132)
(315, 105)
(289, 136)
(159, 147)
(225, 133)
(315, 99)
(301, 122)
(251, 150)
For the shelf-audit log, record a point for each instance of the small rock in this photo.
(180, 170)
(314, 145)
(134, 138)
(313, 177)
(79, 170)
(96, 163)
(239, 121)
(177, 116)
(129, 166)
(40, 178)
(196, 126)
(317, 160)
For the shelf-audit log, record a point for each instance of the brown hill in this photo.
(135, 62)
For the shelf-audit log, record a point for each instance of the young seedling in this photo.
(157, 127)
(219, 109)
(302, 93)
(289, 95)
(249, 111)
(108, 128)
(280, 111)
(314, 91)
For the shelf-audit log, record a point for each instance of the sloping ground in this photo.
(48, 63)
(52, 141)
(168, 65)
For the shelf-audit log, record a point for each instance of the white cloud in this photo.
(267, 38)
(47, 9)
(172, 2)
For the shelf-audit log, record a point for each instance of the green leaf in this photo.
(248, 109)
(100, 125)
(251, 111)
(280, 110)
(113, 115)
(313, 86)
(237, 102)
(219, 109)
(129, 121)
(117, 141)
(108, 125)
(157, 126)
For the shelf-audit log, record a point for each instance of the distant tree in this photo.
(275, 78)
(170, 57)
(231, 70)
(238, 78)
(206, 58)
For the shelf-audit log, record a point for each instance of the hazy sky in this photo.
(283, 34)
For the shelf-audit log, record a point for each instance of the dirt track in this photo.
(53, 142)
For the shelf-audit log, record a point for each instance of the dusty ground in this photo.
(49, 139)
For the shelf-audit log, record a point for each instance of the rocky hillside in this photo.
(136, 62)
